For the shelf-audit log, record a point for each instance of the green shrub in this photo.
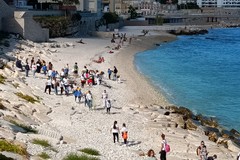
(2, 79)
(41, 142)
(27, 97)
(74, 156)
(90, 151)
(9, 147)
(26, 128)
(44, 155)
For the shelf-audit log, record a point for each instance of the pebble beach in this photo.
(70, 126)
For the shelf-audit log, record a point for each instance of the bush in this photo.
(90, 151)
(26, 97)
(73, 156)
(26, 128)
(111, 17)
(2, 79)
(9, 147)
(44, 155)
(41, 142)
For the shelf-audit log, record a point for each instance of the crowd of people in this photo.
(68, 81)
(72, 82)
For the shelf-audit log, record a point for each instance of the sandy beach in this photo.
(134, 102)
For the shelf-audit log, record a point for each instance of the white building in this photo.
(219, 3)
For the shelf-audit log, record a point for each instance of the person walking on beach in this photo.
(163, 148)
(89, 99)
(109, 105)
(34, 68)
(109, 73)
(75, 68)
(77, 93)
(115, 132)
(27, 68)
(104, 98)
(202, 151)
(124, 132)
(151, 155)
(115, 71)
(48, 85)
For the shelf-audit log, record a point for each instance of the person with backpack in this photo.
(124, 132)
(164, 148)
(115, 132)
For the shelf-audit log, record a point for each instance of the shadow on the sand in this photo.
(133, 143)
(99, 109)
(115, 112)
(117, 107)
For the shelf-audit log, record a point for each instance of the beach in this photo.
(134, 102)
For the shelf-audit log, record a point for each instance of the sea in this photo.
(200, 72)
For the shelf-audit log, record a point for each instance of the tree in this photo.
(132, 11)
(110, 17)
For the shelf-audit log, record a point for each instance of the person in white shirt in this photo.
(124, 132)
(104, 98)
(48, 85)
(34, 68)
(115, 132)
(89, 99)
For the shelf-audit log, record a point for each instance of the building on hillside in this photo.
(186, 1)
(155, 8)
(121, 7)
(219, 3)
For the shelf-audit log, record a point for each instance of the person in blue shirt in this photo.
(77, 93)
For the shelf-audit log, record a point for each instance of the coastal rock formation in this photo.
(188, 31)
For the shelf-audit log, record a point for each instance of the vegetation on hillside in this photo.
(27, 97)
(110, 17)
(2, 79)
(90, 151)
(74, 156)
(57, 25)
(41, 142)
(132, 11)
(188, 6)
(10, 147)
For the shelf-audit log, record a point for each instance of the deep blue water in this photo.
(200, 72)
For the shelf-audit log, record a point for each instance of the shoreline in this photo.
(140, 83)
(148, 43)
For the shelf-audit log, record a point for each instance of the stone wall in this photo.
(5, 11)
(24, 25)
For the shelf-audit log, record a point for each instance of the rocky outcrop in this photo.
(188, 31)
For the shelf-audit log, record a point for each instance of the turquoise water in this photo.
(200, 72)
